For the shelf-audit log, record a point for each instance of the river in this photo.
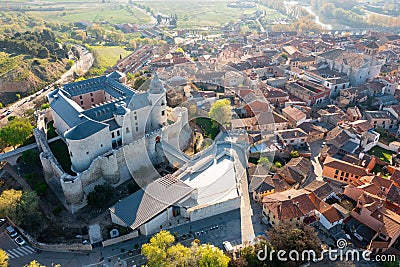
(311, 12)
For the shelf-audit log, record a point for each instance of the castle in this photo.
(111, 131)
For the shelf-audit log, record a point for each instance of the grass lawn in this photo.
(382, 154)
(60, 151)
(106, 56)
(206, 125)
(51, 132)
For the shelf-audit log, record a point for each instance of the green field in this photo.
(106, 56)
(96, 11)
(382, 154)
(202, 13)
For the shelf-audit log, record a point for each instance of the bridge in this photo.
(13, 156)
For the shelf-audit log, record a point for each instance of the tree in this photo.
(248, 255)
(221, 112)
(294, 154)
(160, 252)
(45, 106)
(9, 200)
(211, 256)
(34, 264)
(101, 195)
(43, 53)
(156, 250)
(3, 258)
(287, 237)
(30, 157)
(278, 164)
(27, 211)
(21, 207)
(263, 161)
(1, 105)
(139, 82)
(16, 131)
(18, 96)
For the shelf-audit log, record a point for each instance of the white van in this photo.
(11, 231)
(228, 246)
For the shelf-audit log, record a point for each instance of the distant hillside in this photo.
(29, 61)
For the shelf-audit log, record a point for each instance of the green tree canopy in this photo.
(139, 82)
(22, 207)
(221, 112)
(294, 154)
(16, 131)
(161, 252)
(101, 195)
(287, 237)
(34, 264)
(9, 200)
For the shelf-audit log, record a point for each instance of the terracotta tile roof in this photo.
(332, 215)
(319, 188)
(393, 195)
(290, 204)
(345, 166)
(390, 220)
(295, 171)
(294, 113)
(362, 126)
(291, 133)
(264, 118)
(396, 177)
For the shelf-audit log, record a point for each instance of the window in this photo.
(337, 172)
(118, 134)
(81, 102)
(135, 117)
(163, 113)
(80, 97)
(342, 174)
(70, 153)
(137, 129)
(87, 152)
(101, 145)
(91, 94)
(127, 129)
(92, 99)
(112, 135)
(347, 174)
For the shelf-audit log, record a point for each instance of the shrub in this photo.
(57, 210)
(40, 188)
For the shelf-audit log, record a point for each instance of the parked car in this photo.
(358, 236)
(11, 231)
(19, 240)
(2, 221)
(8, 112)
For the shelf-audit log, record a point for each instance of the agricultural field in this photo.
(106, 56)
(93, 11)
(202, 13)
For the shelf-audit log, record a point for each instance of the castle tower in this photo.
(157, 97)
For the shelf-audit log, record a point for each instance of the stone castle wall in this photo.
(115, 166)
